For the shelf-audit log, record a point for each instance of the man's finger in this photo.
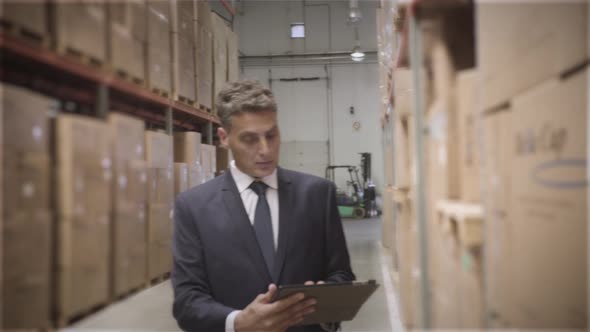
(267, 297)
(283, 304)
(321, 282)
(309, 283)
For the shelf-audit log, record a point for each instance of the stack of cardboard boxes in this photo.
(187, 149)
(159, 46)
(534, 90)
(184, 58)
(128, 38)
(84, 176)
(27, 216)
(129, 199)
(159, 156)
(204, 51)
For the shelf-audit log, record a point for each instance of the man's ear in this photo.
(223, 137)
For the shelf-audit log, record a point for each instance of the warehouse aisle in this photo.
(150, 310)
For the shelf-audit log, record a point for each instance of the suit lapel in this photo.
(285, 223)
(244, 231)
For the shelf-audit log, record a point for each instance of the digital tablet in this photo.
(336, 302)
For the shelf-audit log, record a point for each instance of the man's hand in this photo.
(262, 315)
(309, 283)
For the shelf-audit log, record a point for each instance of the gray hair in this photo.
(243, 96)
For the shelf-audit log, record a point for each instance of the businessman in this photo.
(256, 226)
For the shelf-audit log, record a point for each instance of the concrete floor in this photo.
(150, 310)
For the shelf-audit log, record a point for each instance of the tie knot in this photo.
(259, 187)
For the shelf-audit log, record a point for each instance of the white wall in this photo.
(312, 113)
(264, 26)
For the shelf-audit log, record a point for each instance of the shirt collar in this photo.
(243, 180)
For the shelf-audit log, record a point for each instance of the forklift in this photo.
(358, 200)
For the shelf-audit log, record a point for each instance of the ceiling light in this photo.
(357, 54)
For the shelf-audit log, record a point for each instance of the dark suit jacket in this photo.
(218, 266)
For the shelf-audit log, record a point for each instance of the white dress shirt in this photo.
(250, 199)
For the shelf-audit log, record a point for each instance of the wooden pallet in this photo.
(203, 108)
(81, 57)
(126, 76)
(23, 33)
(64, 321)
(128, 293)
(160, 92)
(185, 100)
(466, 218)
(157, 280)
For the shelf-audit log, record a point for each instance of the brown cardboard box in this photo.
(159, 45)
(26, 219)
(443, 159)
(219, 53)
(184, 32)
(128, 37)
(129, 203)
(31, 16)
(233, 54)
(84, 179)
(402, 177)
(468, 141)
(187, 149)
(180, 178)
(81, 26)
(548, 211)
(405, 243)
(471, 288)
(159, 156)
(204, 45)
(222, 159)
(387, 218)
(521, 45)
(497, 174)
(208, 159)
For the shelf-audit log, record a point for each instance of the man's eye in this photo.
(249, 139)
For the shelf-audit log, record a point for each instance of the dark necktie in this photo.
(263, 225)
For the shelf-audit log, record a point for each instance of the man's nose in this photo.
(264, 146)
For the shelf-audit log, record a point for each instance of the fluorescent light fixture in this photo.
(357, 54)
(297, 30)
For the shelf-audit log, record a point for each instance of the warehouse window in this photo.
(297, 30)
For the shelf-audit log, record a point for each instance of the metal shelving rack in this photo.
(410, 54)
(41, 69)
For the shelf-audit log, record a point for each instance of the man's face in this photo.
(254, 140)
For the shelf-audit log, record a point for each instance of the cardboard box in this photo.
(204, 52)
(548, 197)
(26, 221)
(219, 53)
(159, 59)
(406, 246)
(187, 149)
(31, 16)
(129, 199)
(208, 159)
(84, 180)
(81, 27)
(222, 159)
(184, 33)
(468, 137)
(233, 56)
(180, 178)
(497, 174)
(471, 289)
(387, 218)
(402, 154)
(159, 156)
(522, 45)
(442, 143)
(128, 38)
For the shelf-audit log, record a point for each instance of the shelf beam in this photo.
(109, 81)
